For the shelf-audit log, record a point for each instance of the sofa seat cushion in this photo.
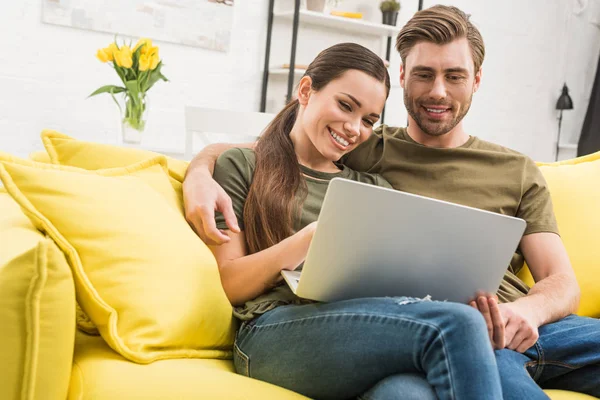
(37, 310)
(99, 373)
(566, 395)
(575, 191)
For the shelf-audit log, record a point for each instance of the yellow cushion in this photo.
(145, 279)
(99, 374)
(94, 365)
(40, 156)
(575, 191)
(65, 150)
(37, 310)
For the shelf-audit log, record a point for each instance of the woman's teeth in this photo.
(338, 139)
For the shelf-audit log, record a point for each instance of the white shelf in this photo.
(285, 71)
(342, 23)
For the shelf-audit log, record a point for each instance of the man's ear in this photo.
(477, 80)
(402, 73)
(304, 90)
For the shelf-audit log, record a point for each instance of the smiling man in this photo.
(538, 342)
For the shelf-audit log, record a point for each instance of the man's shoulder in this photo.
(480, 144)
(495, 150)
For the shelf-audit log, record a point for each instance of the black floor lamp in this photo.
(564, 103)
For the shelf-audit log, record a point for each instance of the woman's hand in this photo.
(301, 240)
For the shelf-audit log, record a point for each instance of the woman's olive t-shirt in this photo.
(234, 171)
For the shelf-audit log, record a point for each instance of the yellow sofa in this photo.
(44, 356)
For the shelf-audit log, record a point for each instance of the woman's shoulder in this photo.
(235, 164)
(240, 157)
(367, 177)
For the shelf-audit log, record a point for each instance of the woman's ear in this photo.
(304, 90)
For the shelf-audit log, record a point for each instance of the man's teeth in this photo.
(338, 139)
(436, 111)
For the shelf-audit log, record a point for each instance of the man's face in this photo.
(439, 82)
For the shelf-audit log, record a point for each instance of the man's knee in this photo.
(508, 359)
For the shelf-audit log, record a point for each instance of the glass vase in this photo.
(134, 117)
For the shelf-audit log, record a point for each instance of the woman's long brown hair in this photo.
(278, 190)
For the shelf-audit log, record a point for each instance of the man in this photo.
(538, 342)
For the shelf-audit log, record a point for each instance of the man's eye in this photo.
(455, 77)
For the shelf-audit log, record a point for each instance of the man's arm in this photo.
(556, 292)
(554, 296)
(202, 196)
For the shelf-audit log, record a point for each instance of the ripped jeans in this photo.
(372, 348)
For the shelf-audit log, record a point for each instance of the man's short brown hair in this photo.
(440, 25)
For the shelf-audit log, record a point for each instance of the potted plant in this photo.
(389, 10)
(139, 68)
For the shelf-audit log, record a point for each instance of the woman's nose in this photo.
(352, 129)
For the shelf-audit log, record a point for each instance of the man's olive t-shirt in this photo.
(234, 170)
(477, 174)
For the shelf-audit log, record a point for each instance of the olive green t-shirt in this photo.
(477, 174)
(234, 170)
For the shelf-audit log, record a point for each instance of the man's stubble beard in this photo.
(435, 129)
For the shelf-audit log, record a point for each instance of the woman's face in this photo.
(341, 115)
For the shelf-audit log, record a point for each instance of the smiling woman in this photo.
(326, 121)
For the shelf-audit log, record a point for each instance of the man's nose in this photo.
(438, 90)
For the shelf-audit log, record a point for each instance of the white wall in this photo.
(47, 71)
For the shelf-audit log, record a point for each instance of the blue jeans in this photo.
(566, 356)
(372, 348)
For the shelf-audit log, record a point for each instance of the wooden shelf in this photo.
(341, 23)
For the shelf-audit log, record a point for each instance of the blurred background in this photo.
(215, 58)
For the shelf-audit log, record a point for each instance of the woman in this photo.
(376, 347)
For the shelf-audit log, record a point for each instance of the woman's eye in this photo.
(368, 122)
(345, 106)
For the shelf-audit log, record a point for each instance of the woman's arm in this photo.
(245, 277)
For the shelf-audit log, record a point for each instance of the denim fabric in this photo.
(346, 349)
(401, 386)
(566, 356)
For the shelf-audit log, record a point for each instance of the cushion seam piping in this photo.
(32, 302)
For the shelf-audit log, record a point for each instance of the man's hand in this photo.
(201, 197)
(509, 326)
(488, 306)
(521, 329)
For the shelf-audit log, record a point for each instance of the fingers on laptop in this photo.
(488, 306)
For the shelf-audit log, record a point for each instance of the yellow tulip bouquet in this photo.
(139, 69)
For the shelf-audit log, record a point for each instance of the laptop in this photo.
(376, 242)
